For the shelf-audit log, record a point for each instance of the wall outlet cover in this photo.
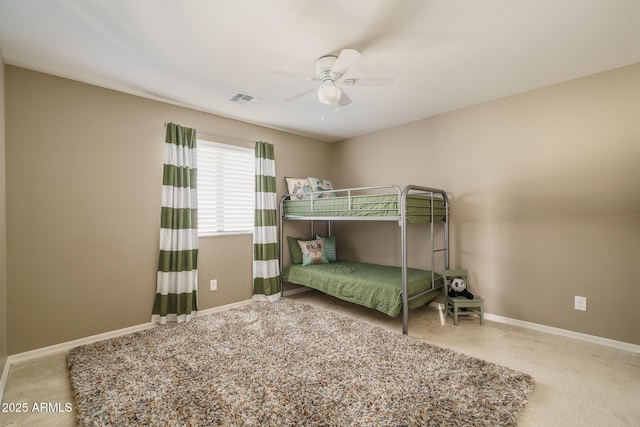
(580, 303)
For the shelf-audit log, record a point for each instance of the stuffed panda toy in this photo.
(458, 288)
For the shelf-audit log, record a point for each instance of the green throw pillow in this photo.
(294, 249)
(329, 247)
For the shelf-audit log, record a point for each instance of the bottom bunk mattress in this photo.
(372, 285)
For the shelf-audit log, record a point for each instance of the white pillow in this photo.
(298, 188)
(319, 184)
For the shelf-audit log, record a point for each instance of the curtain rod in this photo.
(225, 139)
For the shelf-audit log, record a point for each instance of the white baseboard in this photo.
(620, 345)
(223, 307)
(66, 346)
(3, 380)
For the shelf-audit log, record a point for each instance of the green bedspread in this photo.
(374, 286)
(386, 205)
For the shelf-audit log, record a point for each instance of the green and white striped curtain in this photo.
(266, 266)
(176, 297)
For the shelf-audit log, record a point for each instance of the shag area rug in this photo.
(285, 364)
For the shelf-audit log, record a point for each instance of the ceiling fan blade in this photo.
(344, 99)
(370, 81)
(347, 58)
(299, 95)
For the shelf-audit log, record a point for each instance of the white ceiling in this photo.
(443, 54)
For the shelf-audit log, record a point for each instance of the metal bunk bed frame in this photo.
(401, 218)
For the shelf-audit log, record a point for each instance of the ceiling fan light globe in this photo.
(329, 93)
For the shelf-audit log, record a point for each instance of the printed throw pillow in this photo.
(298, 188)
(313, 252)
(319, 184)
(329, 247)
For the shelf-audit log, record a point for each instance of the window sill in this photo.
(241, 233)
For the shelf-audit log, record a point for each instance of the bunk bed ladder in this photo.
(444, 250)
(445, 244)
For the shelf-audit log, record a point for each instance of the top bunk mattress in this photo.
(421, 208)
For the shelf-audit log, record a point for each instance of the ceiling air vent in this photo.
(243, 98)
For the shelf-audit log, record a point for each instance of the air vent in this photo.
(244, 98)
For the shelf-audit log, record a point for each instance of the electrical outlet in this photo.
(213, 285)
(580, 303)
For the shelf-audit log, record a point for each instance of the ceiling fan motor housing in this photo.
(323, 67)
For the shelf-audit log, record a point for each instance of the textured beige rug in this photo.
(287, 363)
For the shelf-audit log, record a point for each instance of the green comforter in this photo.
(386, 205)
(372, 285)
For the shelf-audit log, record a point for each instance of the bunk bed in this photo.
(389, 289)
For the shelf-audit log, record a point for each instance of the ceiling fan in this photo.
(329, 72)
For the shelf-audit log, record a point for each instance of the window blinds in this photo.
(226, 189)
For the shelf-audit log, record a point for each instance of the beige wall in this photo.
(544, 187)
(3, 223)
(545, 190)
(84, 173)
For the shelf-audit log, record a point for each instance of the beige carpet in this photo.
(287, 363)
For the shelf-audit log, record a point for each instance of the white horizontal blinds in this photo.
(226, 189)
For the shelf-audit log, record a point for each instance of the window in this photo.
(226, 189)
